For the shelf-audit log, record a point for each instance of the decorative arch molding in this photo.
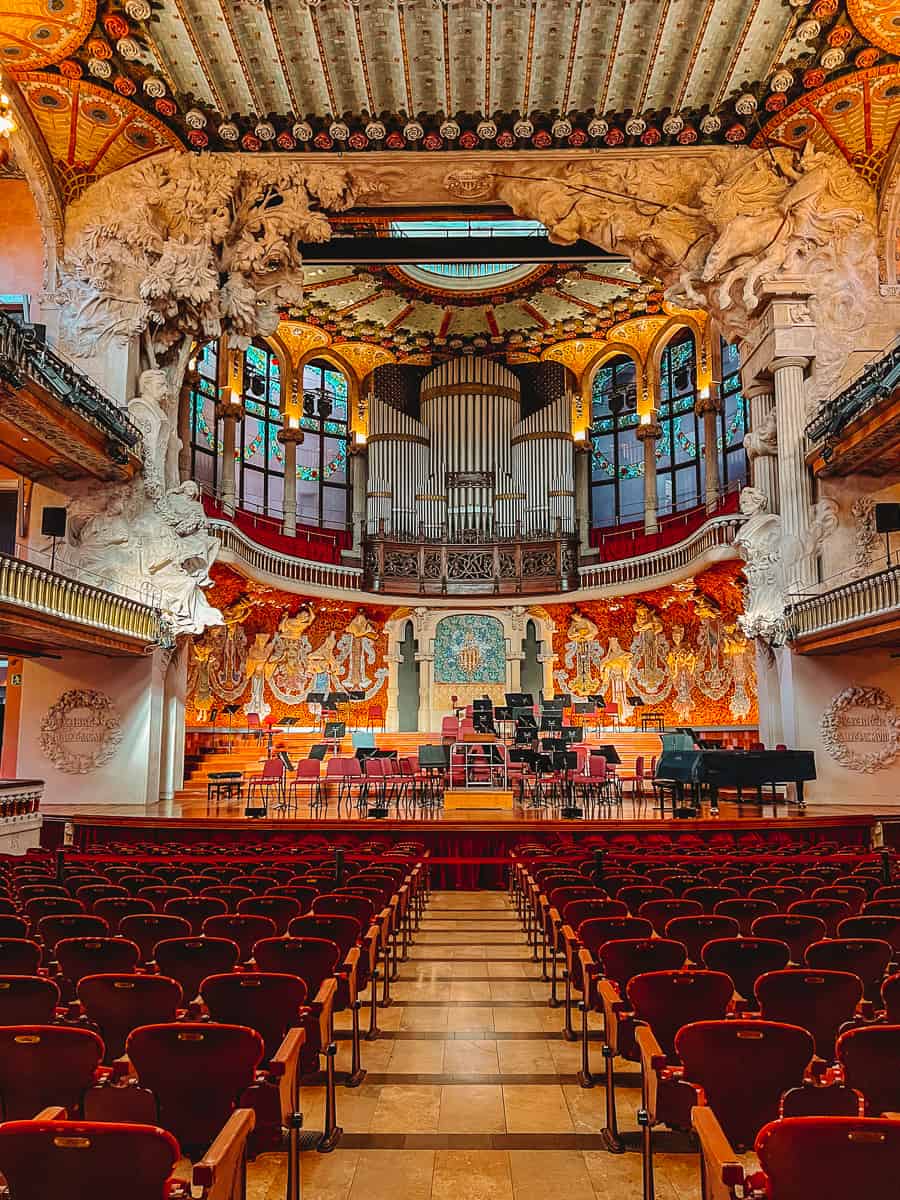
(889, 223)
(31, 156)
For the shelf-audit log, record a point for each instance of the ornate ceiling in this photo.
(411, 317)
(357, 75)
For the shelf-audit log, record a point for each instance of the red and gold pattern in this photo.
(89, 131)
(878, 21)
(35, 33)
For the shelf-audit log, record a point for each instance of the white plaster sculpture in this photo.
(715, 228)
(762, 442)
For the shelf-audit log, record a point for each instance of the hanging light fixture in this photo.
(7, 124)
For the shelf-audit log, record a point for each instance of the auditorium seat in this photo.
(116, 1004)
(745, 959)
(831, 910)
(146, 929)
(195, 909)
(27, 999)
(68, 925)
(80, 956)
(19, 956)
(872, 925)
(591, 936)
(820, 1001)
(190, 959)
(114, 908)
(745, 911)
(829, 1158)
(13, 927)
(159, 894)
(695, 931)
(42, 1065)
(870, 1058)
(795, 930)
(855, 897)
(244, 929)
(866, 957)
(660, 912)
(231, 894)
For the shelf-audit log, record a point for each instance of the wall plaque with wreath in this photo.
(81, 731)
(861, 729)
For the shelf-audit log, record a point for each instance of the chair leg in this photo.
(553, 1002)
(610, 1133)
(386, 975)
(357, 1074)
(332, 1132)
(295, 1124)
(373, 1031)
(568, 1032)
(643, 1119)
(585, 1078)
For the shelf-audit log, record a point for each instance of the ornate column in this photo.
(290, 437)
(762, 441)
(708, 406)
(426, 672)
(793, 488)
(171, 773)
(548, 662)
(229, 410)
(359, 480)
(583, 494)
(647, 432)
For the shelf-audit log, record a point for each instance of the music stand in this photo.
(609, 752)
(318, 751)
(519, 699)
(334, 732)
(231, 709)
(483, 720)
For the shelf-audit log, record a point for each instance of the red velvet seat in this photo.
(92, 892)
(68, 925)
(345, 905)
(195, 909)
(47, 906)
(191, 959)
(745, 959)
(197, 1073)
(831, 911)
(146, 929)
(638, 894)
(229, 893)
(27, 1000)
(303, 894)
(280, 910)
(42, 1065)
(80, 956)
(829, 1158)
(267, 1002)
(116, 1004)
(795, 930)
(866, 957)
(743, 1067)
(161, 893)
(695, 932)
(668, 1000)
(870, 1058)
(660, 912)
(115, 908)
(65, 1160)
(19, 956)
(576, 911)
(819, 1001)
(855, 897)
(709, 895)
(244, 929)
(872, 925)
(13, 927)
(890, 996)
(745, 911)
(783, 897)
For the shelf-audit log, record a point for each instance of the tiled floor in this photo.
(471, 1090)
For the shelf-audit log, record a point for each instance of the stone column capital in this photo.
(290, 435)
(795, 360)
(649, 431)
(759, 387)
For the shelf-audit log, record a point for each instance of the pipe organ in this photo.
(469, 465)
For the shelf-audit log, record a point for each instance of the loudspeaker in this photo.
(887, 518)
(53, 522)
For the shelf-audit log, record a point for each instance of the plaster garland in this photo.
(879, 703)
(99, 705)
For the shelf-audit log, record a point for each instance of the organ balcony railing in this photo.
(25, 357)
(858, 602)
(29, 591)
(470, 563)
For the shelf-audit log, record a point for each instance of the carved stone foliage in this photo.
(717, 228)
(81, 731)
(861, 729)
(191, 247)
(763, 441)
(147, 538)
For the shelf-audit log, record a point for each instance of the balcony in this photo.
(860, 426)
(41, 610)
(858, 612)
(470, 564)
(58, 426)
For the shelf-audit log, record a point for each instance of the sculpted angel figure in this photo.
(682, 660)
(358, 646)
(614, 670)
(759, 542)
(258, 655)
(583, 652)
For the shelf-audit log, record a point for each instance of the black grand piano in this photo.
(685, 771)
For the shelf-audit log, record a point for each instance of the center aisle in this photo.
(471, 1090)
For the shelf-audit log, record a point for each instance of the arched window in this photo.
(260, 455)
(323, 495)
(679, 449)
(206, 437)
(734, 420)
(617, 458)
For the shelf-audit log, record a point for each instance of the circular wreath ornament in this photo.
(861, 729)
(81, 731)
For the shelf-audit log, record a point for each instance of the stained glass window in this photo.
(679, 450)
(258, 453)
(206, 443)
(322, 458)
(733, 460)
(617, 457)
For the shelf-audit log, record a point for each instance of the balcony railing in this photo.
(35, 589)
(877, 381)
(24, 357)
(472, 567)
(283, 566)
(717, 533)
(859, 600)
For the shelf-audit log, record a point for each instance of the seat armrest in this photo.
(722, 1170)
(371, 940)
(350, 967)
(652, 1062)
(221, 1171)
(51, 1114)
(325, 1003)
(285, 1067)
(553, 916)
(611, 1003)
(570, 945)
